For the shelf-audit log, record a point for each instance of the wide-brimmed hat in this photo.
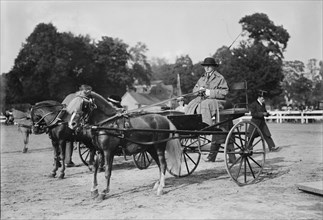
(116, 100)
(209, 61)
(261, 93)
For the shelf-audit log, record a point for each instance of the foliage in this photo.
(302, 86)
(51, 65)
(257, 59)
(141, 69)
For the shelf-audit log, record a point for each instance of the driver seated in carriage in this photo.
(212, 89)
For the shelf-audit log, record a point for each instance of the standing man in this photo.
(213, 88)
(258, 113)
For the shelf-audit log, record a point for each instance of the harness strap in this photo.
(158, 103)
(137, 142)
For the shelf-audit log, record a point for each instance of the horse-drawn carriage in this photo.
(144, 133)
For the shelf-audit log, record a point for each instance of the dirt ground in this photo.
(27, 192)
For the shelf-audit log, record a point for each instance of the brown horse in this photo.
(44, 117)
(119, 132)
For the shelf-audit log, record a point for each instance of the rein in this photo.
(36, 124)
(127, 113)
(122, 136)
(42, 118)
(167, 100)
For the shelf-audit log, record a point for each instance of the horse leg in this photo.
(162, 167)
(94, 189)
(153, 153)
(62, 147)
(101, 162)
(57, 164)
(25, 134)
(108, 161)
(92, 159)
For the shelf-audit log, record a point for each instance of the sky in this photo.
(168, 28)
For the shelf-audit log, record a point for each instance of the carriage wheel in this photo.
(84, 153)
(142, 160)
(190, 155)
(246, 143)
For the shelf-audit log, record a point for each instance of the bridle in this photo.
(41, 124)
(88, 106)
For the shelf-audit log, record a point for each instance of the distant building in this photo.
(148, 95)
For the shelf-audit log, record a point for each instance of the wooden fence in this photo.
(291, 116)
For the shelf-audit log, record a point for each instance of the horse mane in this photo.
(47, 102)
(50, 104)
(103, 104)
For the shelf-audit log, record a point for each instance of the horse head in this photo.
(43, 113)
(86, 110)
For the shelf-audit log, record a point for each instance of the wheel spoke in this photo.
(189, 157)
(146, 156)
(239, 146)
(240, 165)
(142, 160)
(245, 170)
(87, 154)
(250, 168)
(255, 162)
(250, 137)
(235, 162)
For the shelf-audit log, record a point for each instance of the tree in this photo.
(301, 90)
(159, 66)
(292, 70)
(263, 31)
(183, 68)
(111, 57)
(51, 65)
(28, 80)
(258, 58)
(140, 68)
(302, 86)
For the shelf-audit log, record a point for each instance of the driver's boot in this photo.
(214, 149)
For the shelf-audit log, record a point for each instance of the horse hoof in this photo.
(156, 186)
(101, 197)
(52, 175)
(159, 192)
(94, 194)
(61, 176)
(25, 150)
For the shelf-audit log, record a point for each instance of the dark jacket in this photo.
(257, 112)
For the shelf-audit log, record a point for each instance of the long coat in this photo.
(257, 112)
(207, 106)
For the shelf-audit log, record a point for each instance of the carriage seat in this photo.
(233, 105)
(187, 122)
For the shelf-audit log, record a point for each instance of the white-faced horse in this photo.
(107, 140)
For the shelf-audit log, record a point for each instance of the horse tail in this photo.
(174, 152)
